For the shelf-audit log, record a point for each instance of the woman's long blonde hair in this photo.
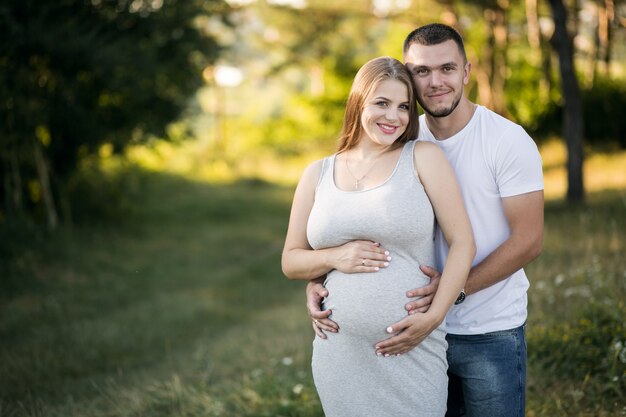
(365, 81)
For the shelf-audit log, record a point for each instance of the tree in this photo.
(572, 110)
(77, 74)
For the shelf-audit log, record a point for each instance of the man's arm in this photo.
(524, 214)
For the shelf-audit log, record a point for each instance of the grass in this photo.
(179, 307)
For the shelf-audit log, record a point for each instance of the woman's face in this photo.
(385, 113)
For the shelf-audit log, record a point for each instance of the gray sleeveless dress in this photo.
(350, 379)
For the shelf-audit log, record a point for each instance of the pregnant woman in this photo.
(365, 217)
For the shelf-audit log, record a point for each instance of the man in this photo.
(499, 171)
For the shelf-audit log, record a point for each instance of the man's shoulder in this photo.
(500, 128)
(496, 120)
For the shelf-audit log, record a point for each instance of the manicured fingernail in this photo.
(386, 355)
(376, 268)
(390, 329)
(386, 264)
(379, 354)
(388, 258)
(398, 354)
(386, 252)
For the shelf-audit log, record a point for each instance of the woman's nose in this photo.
(392, 113)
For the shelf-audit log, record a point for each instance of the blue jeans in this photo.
(487, 374)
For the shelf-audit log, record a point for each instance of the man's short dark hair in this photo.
(434, 34)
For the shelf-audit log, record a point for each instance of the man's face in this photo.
(439, 74)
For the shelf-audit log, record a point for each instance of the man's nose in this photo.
(435, 78)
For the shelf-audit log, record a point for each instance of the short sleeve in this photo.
(518, 164)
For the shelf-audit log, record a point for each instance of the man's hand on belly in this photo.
(315, 293)
(409, 332)
(427, 293)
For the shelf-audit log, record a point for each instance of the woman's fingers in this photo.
(368, 265)
(373, 258)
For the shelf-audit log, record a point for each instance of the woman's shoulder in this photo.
(426, 149)
(428, 156)
(315, 167)
(312, 172)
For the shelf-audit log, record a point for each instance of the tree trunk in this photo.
(16, 182)
(12, 183)
(542, 57)
(494, 57)
(44, 181)
(501, 38)
(532, 22)
(572, 109)
(606, 14)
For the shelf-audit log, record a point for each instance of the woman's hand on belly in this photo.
(358, 256)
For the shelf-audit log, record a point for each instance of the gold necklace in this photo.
(358, 180)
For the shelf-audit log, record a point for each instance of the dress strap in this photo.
(327, 169)
(406, 157)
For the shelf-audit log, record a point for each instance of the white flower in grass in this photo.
(297, 389)
(558, 280)
(618, 345)
(287, 361)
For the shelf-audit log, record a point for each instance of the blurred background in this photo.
(149, 150)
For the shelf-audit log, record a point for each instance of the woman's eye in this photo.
(404, 106)
(381, 103)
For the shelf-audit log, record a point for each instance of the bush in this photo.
(96, 194)
(603, 106)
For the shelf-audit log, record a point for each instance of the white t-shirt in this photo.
(492, 158)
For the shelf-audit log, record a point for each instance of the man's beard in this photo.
(441, 112)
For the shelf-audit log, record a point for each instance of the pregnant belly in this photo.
(364, 305)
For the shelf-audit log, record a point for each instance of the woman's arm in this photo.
(444, 193)
(440, 184)
(300, 261)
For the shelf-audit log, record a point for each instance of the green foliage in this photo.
(77, 74)
(526, 102)
(319, 51)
